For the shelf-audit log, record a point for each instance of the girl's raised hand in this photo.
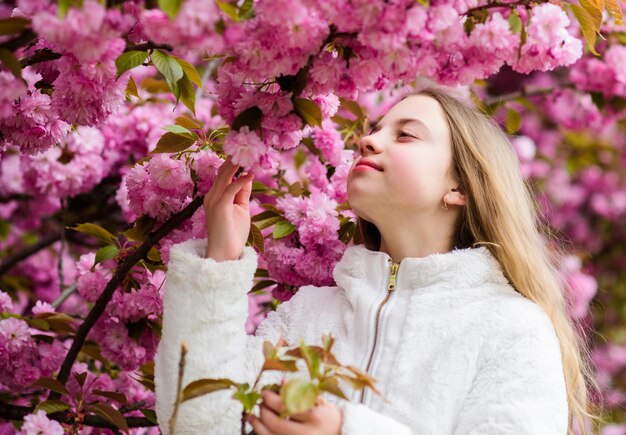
(227, 209)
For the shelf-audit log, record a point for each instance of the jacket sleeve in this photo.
(520, 388)
(205, 303)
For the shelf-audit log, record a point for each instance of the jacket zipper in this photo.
(391, 286)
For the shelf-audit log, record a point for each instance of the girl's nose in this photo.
(367, 144)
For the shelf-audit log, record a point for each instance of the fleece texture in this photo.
(459, 351)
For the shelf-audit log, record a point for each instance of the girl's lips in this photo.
(368, 163)
(364, 168)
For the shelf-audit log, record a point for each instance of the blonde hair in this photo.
(502, 215)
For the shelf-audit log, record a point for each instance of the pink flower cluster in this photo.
(89, 38)
(27, 119)
(22, 359)
(309, 257)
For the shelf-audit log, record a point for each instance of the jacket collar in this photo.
(459, 268)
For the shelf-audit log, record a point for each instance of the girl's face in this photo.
(411, 146)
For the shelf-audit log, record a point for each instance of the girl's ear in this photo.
(455, 197)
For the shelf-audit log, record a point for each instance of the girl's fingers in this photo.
(235, 187)
(278, 425)
(224, 176)
(243, 196)
(273, 402)
(258, 426)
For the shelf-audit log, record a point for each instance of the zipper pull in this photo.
(392, 276)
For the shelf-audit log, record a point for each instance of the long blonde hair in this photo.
(502, 214)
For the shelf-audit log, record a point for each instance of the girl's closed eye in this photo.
(406, 134)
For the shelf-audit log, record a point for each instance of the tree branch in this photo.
(14, 412)
(122, 270)
(43, 55)
(25, 37)
(7, 264)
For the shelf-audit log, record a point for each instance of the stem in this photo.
(14, 412)
(525, 92)
(122, 270)
(179, 387)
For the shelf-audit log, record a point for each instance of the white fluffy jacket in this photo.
(458, 351)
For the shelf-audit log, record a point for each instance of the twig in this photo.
(14, 197)
(497, 4)
(148, 46)
(524, 92)
(63, 296)
(122, 270)
(15, 412)
(7, 264)
(179, 386)
(62, 248)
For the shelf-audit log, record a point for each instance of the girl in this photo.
(448, 298)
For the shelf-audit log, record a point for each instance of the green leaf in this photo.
(331, 385)
(515, 22)
(265, 215)
(170, 7)
(261, 285)
(105, 253)
(595, 9)
(187, 93)
(205, 386)
(80, 377)
(255, 238)
(281, 365)
(269, 222)
(308, 111)
(312, 360)
(129, 60)
(251, 117)
(141, 229)
(186, 122)
(248, 399)
(149, 414)
(169, 67)
(52, 406)
(346, 231)
(13, 25)
(111, 414)
(282, 229)
(513, 121)
(614, 8)
(64, 6)
(587, 26)
(11, 62)
(246, 11)
(298, 395)
(353, 107)
(131, 88)
(96, 231)
(179, 129)
(52, 384)
(229, 9)
(38, 324)
(172, 143)
(190, 71)
(113, 395)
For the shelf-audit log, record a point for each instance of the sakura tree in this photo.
(114, 117)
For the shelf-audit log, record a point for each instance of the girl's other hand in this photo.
(227, 209)
(323, 419)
